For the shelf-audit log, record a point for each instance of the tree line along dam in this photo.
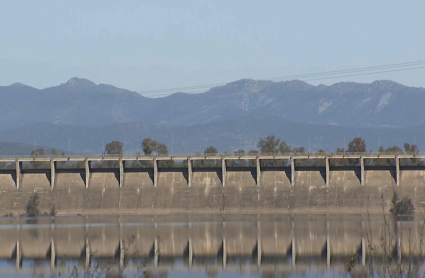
(210, 184)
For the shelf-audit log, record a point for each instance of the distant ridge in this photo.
(81, 102)
(92, 108)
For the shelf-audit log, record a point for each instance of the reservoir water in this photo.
(211, 246)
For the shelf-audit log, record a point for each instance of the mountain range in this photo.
(82, 115)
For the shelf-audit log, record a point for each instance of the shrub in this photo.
(32, 206)
(53, 211)
(401, 207)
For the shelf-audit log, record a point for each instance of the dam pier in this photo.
(209, 184)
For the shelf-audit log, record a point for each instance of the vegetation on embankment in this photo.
(401, 207)
(32, 207)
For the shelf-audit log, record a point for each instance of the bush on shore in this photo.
(401, 207)
(32, 206)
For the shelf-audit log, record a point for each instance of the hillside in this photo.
(81, 102)
(86, 115)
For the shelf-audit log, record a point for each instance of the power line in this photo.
(352, 70)
(369, 73)
(176, 89)
(331, 77)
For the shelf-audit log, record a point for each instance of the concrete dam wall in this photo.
(194, 189)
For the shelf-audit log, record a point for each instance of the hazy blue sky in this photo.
(147, 45)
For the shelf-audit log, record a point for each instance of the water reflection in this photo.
(263, 246)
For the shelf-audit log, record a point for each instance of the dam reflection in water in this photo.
(261, 246)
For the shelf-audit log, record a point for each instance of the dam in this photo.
(209, 184)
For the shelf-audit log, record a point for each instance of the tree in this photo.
(300, 162)
(237, 162)
(54, 152)
(211, 151)
(298, 150)
(149, 146)
(269, 145)
(39, 165)
(411, 149)
(161, 149)
(387, 161)
(317, 162)
(357, 145)
(284, 148)
(239, 152)
(32, 206)
(401, 207)
(38, 152)
(394, 150)
(339, 162)
(114, 148)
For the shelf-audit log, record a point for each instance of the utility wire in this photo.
(369, 73)
(350, 70)
(176, 89)
(328, 77)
